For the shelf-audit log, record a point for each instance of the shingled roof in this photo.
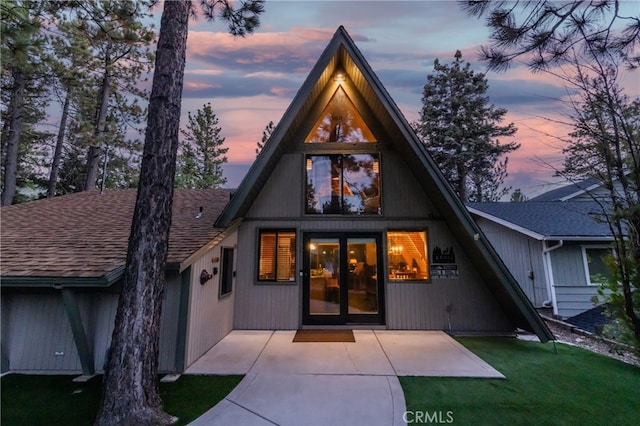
(83, 237)
(545, 220)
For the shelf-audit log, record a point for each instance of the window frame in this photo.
(328, 153)
(585, 262)
(276, 231)
(429, 278)
(225, 273)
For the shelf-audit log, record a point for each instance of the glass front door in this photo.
(342, 283)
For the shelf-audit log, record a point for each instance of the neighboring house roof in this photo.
(342, 55)
(592, 319)
(566, 192)
(82, 238)
(550, 220)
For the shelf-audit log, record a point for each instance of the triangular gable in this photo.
(340, 121)
(343, 55)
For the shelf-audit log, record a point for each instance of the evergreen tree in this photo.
(459, 128)
(517, 196)
(23, 74)
(546, 31)
(131, 393)
(605, 145)
(202, 153)
(266, 134)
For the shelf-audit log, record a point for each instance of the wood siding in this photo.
(405, 206)
(37, 336)
(520, 254)
(210, 317)
(424, 306)
(573, 295)
(40, 337)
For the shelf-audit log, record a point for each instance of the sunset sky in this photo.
(251, 81)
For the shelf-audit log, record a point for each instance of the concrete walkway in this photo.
(336, 384)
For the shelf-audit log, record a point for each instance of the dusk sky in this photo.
(253, 80)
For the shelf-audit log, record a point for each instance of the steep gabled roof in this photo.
(548, 220)
(82, 238)
(342, 54)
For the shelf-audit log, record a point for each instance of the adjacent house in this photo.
(554, 245)
(343, 220)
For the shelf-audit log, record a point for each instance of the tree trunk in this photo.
(13, 138)
(93, 156)
(55, 164)
(131, 381)
(462, 183)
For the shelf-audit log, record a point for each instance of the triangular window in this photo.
(340, 122)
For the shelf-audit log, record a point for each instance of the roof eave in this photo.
(103, 281)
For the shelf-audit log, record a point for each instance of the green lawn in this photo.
(56, 400)
(574, 387)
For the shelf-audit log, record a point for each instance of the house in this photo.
(343, 220)
(62, 265)
(554, 249)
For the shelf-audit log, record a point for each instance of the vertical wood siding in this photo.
(39, 329)
(424, 306)
(169, 322)
(573, 295)
(568, 266)
(38, 337)
(520, 254)
(210, 317)
(405, 205)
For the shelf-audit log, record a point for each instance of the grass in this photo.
(56, 400)
(572, 387)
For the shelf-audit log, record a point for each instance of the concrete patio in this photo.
(322, 383)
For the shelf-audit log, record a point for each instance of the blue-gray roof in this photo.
(559, 194)
(562, 219)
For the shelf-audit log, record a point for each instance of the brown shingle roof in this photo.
(85, 235)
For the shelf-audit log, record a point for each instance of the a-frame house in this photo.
(345, 219)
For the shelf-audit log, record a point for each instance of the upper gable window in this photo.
(340, 122)
(343, 184)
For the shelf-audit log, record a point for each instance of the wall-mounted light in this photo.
(205, 276)
(339, 77)
(309, 164)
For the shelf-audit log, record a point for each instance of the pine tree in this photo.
(202, 153)
(23, 81)
(544, 32)
(131, 393)
(459, 128)
(266, 134)
(517, 196)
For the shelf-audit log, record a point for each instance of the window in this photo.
(595, 267)
(340, 122)
(226, 278)
(277, 256)
(407, 255)
(343, 184)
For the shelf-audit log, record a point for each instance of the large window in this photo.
(595, 266)
(407, 255)
(343, 184)
(277, 256)
(340, 122)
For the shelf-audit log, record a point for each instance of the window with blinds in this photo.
(277, 256)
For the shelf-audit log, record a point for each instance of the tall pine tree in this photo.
(460, 129)
(131, 395)
(202, 153)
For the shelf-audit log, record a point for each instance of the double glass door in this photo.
(342, 279)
